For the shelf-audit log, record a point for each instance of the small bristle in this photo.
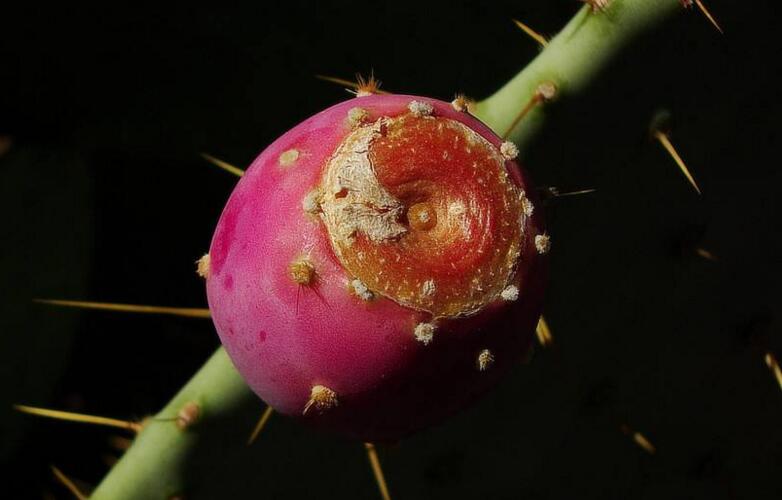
(301, 271)
(368, 86)
(321, 398)
(543, 333)
(424, 332)
(543, 243)
(461, 103)
(485, 360)
(360, 88)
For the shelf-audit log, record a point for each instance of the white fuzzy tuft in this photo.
(543, 243)
(361, 290)
(424, 332)
(509, 150)
(547, 90)
(510, 293)
(322, 398)
(202, 266)
(485, 360)
(526, 205)
(460, 104)
(289, 157)
(419, 108)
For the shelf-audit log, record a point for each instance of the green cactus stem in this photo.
(153, 466)
(570, 61)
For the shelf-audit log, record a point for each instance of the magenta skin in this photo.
(285, 338)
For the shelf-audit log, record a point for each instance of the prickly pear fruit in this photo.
(379, 266)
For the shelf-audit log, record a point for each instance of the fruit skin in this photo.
(285, 337)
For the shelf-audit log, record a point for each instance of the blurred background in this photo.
(103, 114)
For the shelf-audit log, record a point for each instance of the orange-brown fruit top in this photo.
(422, 210)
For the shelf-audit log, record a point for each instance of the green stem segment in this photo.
(570, 61)
(154, 466)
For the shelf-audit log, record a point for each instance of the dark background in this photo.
(104, 197)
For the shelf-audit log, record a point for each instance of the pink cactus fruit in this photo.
(379, 266)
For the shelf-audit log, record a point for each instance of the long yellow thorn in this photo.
(79, 417)
(377, 471)
(70, 485)
(708, 15)
(772, 364)
(544, 333)
(666, 143)
(267, 414)
(222, 164)
(370, 86)
(531, 33)
(187, 312)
